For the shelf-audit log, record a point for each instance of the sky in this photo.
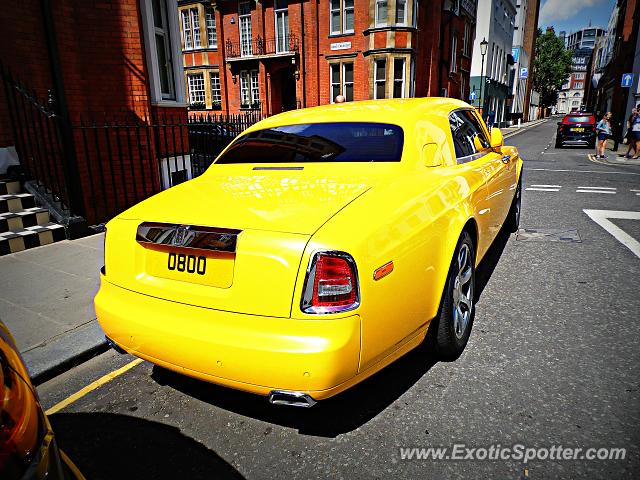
(572, 15)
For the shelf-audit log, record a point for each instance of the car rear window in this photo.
(579, 119)
(318, 142)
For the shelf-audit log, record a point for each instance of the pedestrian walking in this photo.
(633, 133)
(604, 132)
(628, 138)
(491, 118)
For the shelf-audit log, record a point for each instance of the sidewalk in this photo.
(511, 131)
(46, 300)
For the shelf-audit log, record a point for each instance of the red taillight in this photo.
(332, 284)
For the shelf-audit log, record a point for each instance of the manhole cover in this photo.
(548, 235)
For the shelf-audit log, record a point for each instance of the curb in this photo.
(526, 127)
(65, 352)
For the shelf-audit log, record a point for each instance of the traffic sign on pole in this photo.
(627, 80)
(472, 95)
(524, 73)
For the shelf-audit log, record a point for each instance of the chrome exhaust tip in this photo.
(293, 399)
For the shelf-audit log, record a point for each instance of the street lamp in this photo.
(483, 51)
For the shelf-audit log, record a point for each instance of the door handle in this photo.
(506, 158)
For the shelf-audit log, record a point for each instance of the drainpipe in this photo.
(303, 69)
(69, 161)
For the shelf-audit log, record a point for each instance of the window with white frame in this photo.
(244, 23)
(381, 12)
(163, 50)
(401, 12)
(196, 88)
(398, 77)
(335, 81)
(347, 16)
(341, 77)
(249, 89)
(191, 28)
(579, 85)
(216, 94)
(212, 34)
(347, 81)
(380, 78)
(341, 16)
(282, 25)
(453, 67)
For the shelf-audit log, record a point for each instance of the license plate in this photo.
(577, 129)
(196, 264)
(212, 269)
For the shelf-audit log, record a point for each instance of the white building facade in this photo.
(496, 22)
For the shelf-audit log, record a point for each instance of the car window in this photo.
(469, 139)
(580, 119)
(318, 142)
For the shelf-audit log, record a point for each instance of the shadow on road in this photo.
(108, 446)
(340, 414)
(490, 261)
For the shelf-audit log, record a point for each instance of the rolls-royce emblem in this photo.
(180, 236)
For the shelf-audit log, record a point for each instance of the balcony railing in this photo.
(258, 46)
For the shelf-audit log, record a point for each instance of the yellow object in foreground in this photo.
(320, 246)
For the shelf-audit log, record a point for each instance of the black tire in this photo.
(450, 335)
(513, 218)
(558, 144)
(592, 145)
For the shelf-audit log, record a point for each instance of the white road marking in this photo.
(595, 191)
(546, 186)
(600, 188)
(634, 190)
(578, 171)
(601, 217)
(543, 189)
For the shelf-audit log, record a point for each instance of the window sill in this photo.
(338, 35)
(169, 104)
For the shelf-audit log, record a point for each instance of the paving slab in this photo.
(46, 300)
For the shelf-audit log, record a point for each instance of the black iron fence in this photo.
(257, 45)
(120, 159)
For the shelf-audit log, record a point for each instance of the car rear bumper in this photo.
(577, 138)
(248, 352)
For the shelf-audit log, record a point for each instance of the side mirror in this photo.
(496, 138)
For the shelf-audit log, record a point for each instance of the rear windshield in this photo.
(319, 142)
(580, 119)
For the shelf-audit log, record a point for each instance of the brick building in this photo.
(276, 55)
(62, 63)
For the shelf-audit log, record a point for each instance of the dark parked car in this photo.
(577, 128)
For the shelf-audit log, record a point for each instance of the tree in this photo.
(551, 66)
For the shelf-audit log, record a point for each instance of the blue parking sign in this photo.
(524, 73)
(627, 80)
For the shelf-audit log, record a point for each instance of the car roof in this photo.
(402, 112)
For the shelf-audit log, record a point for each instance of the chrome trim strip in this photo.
(307, 293)
(188, 236)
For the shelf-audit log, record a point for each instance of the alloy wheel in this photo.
(463, 292)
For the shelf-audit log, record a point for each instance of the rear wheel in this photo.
(558, 143)
(457, 308)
